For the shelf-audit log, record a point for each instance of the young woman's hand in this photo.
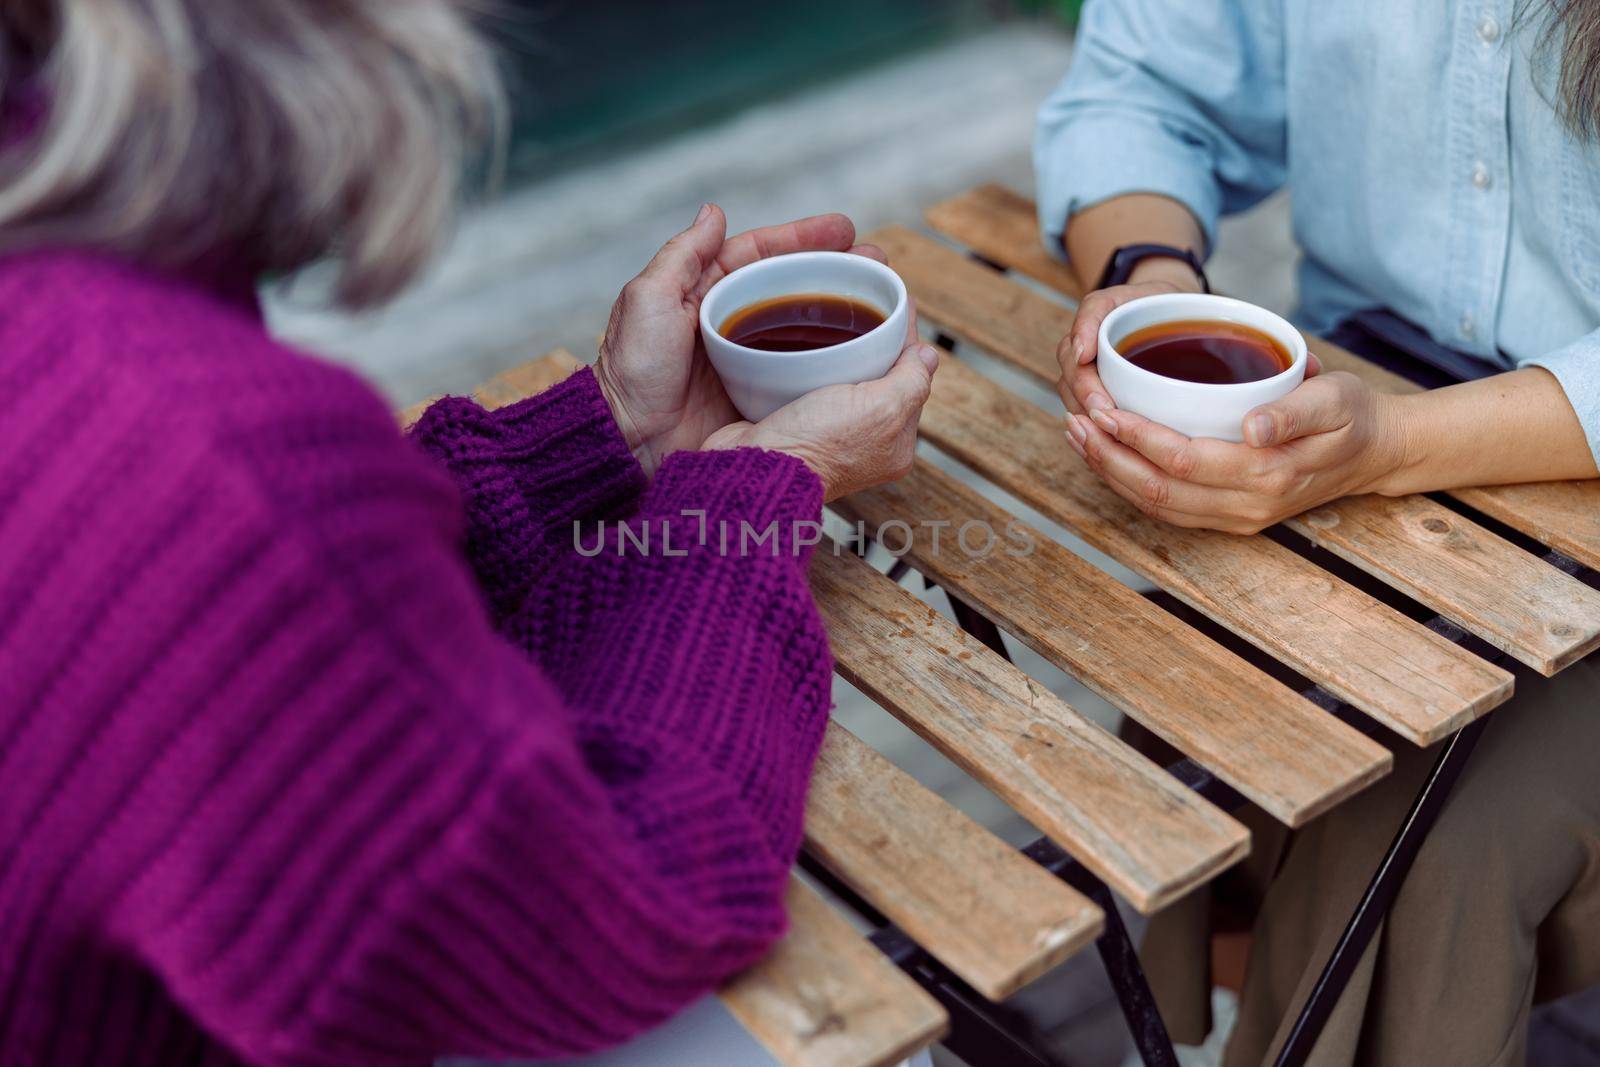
(1331, 437)
(1080, 386)
(653, 368)
(852, 436)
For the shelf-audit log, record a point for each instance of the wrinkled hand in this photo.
(1331, 437)
(653, 368)
(852, 436)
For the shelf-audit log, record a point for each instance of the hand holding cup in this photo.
(653, 367)
(853, 436)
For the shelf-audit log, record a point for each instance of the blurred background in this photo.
(629, 114)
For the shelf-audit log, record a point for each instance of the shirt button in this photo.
(1481, 178)
(1468, 327)
(1488, 29)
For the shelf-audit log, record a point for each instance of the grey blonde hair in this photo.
(278, 131)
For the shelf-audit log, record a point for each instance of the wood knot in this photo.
(1561, 629)
(1323, 520)
(1436, 525)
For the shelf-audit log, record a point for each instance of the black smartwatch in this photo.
(1120, 267)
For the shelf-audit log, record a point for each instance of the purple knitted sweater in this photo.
(302, 764)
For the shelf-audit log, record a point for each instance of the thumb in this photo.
(1317, 406)
(906, 386)
(677, 268)
(911, 377)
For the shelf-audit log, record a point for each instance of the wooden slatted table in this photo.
(961, 912)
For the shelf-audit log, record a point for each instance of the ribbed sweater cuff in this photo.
(564, 441)
(527, 472)
(737, 490)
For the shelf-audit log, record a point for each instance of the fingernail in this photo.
(1104, 421)
(1098, 402)
(1077, 446)
(1077, 349)
(929, 356)
(1075, 430)
(705, 209)
(1259, 429)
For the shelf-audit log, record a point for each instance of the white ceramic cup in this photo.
(760, 383)
(1195, 409)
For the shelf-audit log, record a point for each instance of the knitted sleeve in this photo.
(526, 473)
(666, 628)
(412, 842)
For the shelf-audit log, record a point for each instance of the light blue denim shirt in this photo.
(1430, 172)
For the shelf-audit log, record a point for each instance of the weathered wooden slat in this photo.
(976, 303)
(960, 295)
(518, 383)
(1563, 515)
(999, 225)
(1395, 670)
(1540, 615)
(1274, 746)
(1121, 816)
(825, 997)
(989, 913)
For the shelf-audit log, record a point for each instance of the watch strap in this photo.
(1119, 268)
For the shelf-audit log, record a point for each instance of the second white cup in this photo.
(1195, 409)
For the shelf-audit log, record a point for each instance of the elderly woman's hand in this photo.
(1331, 437)
(852, 436)
(653, 368)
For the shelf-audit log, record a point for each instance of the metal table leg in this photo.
(982, 1033)
(1117, 954)
(1380, 894)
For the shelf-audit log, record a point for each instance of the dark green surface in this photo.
(1065, 10)
(595, 76)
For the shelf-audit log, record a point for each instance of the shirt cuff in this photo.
(1577, 368)
(1099, 155)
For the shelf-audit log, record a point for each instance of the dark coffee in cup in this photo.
(800, 323)
(1207, 351)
